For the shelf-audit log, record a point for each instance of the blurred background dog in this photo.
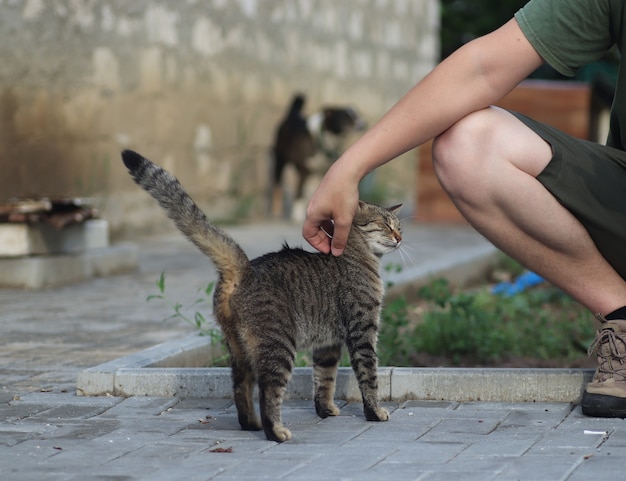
(304, 148)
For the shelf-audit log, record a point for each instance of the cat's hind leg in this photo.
(243, 386)
(325, 362)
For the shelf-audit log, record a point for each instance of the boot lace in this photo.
(610, 347)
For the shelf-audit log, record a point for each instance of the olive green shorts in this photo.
(590, 181)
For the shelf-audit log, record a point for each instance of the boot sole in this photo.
(603, 406)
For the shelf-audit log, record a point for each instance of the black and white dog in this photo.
(309, 145)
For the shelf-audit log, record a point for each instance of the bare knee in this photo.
(475, 150)
(461, 152)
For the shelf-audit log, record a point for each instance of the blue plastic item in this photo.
(523, 282)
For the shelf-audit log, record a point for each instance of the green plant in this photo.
(393, 343)
(483, 328)
(199, 321)
(394, 324)
(473, 326)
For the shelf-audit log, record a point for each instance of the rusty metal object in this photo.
(57, 212)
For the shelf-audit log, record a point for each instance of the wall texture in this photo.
(196, 85)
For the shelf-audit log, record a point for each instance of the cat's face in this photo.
(380, 226)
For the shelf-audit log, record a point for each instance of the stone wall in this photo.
(197, 86)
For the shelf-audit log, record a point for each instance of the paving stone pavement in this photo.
(49, 433)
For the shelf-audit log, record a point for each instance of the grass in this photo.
(442, 326)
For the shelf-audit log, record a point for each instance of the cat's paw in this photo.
(279, 433)
(250, 423)
(377, 414)
(254, 425)
(326, 410)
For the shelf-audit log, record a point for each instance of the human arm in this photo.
(474, 77)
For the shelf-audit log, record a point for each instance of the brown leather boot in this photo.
(605, 395)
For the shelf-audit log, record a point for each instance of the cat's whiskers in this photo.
(405, 256)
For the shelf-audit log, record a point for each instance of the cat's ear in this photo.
(362, 204)
(394, 209)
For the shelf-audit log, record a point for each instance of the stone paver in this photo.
(61, 436)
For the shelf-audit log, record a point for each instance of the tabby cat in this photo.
(270, 307)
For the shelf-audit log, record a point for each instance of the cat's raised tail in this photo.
(228, 257)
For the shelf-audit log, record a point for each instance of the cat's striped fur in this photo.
(272, 306)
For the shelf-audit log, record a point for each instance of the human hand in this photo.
(336, 199)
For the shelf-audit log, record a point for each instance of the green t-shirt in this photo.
(571, 33)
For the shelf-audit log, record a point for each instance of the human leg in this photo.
(488, 164)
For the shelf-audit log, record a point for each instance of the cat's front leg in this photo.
(369, 391)
(361, 346)
(325, 363)
(375, 412)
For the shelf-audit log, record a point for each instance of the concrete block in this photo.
(14, 239)
(35, 272)
(511, 385)
(301, 384)
(159, 371)
(167, 382)
(39, 271)
(348, 387)
(112, 260)
(189, 351)
(171, 369)
(95, 381)
(211, 382)
(43, 239)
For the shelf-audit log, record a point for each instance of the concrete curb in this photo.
(167, 370)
